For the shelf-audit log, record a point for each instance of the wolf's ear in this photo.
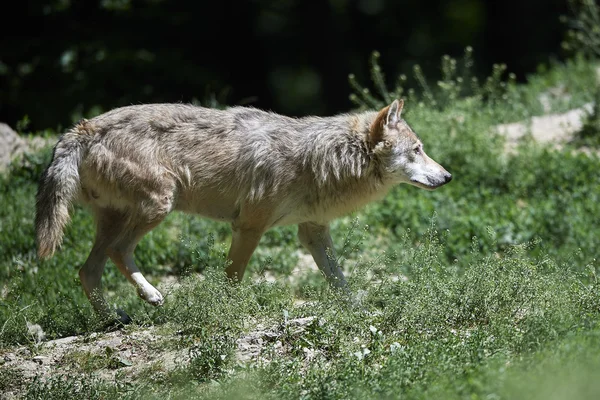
(394, 112)
(388, 116)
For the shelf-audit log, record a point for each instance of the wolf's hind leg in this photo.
(316, 239)
(121, 253)
(90, 274)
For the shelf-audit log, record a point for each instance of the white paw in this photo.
(151, 295)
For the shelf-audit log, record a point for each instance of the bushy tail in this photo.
(57, 190)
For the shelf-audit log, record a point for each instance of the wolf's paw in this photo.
(123, 318)
(151, 295)
(118, 321)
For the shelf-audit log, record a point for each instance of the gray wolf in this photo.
(251, 168)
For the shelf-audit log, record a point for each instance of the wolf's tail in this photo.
(58, 188)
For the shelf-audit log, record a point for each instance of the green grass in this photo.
(485, 288)
(506, 326)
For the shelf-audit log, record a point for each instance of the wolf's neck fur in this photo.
(337, 150)
(338, 153)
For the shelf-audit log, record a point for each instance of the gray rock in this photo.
(11, 145)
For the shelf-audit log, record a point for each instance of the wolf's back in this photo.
(58, 187)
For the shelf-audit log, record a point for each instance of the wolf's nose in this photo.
(448, 177)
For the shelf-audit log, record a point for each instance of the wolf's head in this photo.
(401, 153)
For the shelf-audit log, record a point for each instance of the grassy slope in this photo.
(501, 298)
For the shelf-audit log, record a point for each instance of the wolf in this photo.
(251, 168)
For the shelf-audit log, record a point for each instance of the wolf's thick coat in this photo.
(251, 168)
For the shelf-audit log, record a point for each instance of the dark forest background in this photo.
(63, 59)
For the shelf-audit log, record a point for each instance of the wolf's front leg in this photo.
(243, 244)
(316, 239)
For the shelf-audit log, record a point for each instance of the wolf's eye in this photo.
(417, 150)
